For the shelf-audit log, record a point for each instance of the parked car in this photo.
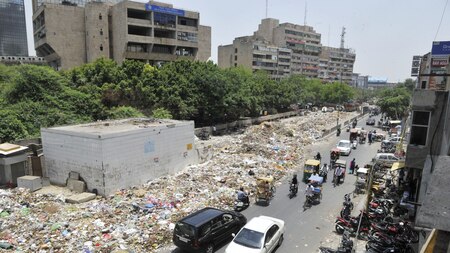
(206, 228)
(386, 159)
(370, 121)
(261, 234)
(344, 146)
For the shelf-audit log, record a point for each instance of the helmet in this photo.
(242, 188)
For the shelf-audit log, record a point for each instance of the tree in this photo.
(394, 102)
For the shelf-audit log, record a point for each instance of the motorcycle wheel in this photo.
(340, 228)
(413, 236)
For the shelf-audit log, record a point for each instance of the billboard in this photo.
(161, 9)
(440, 48)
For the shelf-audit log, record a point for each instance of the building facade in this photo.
(152, 32)
(257, 53)
(13, 30)
(288, 49)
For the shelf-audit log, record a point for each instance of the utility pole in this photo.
(306, 11)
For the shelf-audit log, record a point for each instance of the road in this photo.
(307, 230)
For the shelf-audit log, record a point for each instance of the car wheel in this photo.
(209, 248)
(280, 241)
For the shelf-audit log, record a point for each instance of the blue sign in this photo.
(440, 48)
(167, 10)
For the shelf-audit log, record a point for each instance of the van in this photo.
(206, 228)
(386, 159)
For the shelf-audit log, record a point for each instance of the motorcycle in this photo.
(293, 189)
(351, 224)
(323, 172)
(240, 204)
(346, 245)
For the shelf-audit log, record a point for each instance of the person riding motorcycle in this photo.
(242, 196)
(318, 156)
(309, 192)
(294, 183)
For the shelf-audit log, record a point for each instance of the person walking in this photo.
(369, 137)
(337, 175)
(352, 166)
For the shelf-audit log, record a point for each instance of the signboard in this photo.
(439, 62)
(415, 65)
(167, 10)
(440, 48)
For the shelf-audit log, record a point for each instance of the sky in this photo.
(385, 34)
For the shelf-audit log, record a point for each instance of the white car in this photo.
(344, 146)
(261, 234)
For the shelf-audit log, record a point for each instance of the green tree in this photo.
(161, 113)
(394, 101)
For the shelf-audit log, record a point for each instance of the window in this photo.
(270, 233)
(419, 128)
(235, 50)
(101, 31)
(235, 57)
(100, 16)
(101, 47)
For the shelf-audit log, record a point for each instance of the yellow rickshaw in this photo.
(265, 189)
(311, 166)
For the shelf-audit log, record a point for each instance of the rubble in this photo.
(141, 219)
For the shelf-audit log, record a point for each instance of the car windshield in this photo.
(343, 144)
(249, 238)
(185, 230)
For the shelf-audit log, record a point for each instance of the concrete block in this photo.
(74, 175)
(29, 182)
(80, 198)
(76, 185)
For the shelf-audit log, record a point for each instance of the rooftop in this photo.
(116, 126)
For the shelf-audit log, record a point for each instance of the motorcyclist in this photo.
(294, 183)
(242, 196)
(318, 156)
(309, 191)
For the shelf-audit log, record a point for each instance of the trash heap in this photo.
(141, 219)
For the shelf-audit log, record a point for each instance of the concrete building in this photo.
(428, 150)
(13, 30)
(118, 154)
(288, 49)
(13, 160)
(257, 53)
(17, 60)
(336, 64)
(153, 32)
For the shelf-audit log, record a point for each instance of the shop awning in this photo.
(398, 165)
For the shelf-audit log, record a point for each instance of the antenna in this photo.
(342, 37)
(267, 8)
(306, 11)
(328, 42)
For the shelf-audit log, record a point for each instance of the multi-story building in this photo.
(428, 151)
(299, 52)
(13, 31)
(257, 53)
(336, 64)
(73, 32)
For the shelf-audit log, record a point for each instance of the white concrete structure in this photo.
(118, 154)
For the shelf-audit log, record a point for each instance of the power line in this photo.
(442, 17)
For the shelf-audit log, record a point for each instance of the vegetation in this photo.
(32, 97)
(395, 102)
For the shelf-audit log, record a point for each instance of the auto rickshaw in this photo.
(353, 134)
(361, 180)
(311, 166)
(362, 136)
(343, 165)
(265, 189)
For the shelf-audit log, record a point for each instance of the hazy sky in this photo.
(385, 34)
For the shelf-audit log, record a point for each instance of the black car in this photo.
(370, 121)
(206, 228)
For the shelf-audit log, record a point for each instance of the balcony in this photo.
(139, 22)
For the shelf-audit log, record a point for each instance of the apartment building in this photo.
(13, 31)
(299, 51)
(257, 53)
(73, 32)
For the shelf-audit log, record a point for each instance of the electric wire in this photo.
(442, 17)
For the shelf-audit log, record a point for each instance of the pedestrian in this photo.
(337, 175)
(352, 166)
(369, 137)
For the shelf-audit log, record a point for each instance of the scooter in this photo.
(240, 205)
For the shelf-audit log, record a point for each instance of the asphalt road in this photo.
(307, 230)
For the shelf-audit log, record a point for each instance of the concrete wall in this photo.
(119, 31)
(97, 35)
(116, 161)
(204, 43)
(225, 56)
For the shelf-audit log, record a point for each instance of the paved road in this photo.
(307, 230)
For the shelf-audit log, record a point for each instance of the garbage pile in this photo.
(141, 219)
